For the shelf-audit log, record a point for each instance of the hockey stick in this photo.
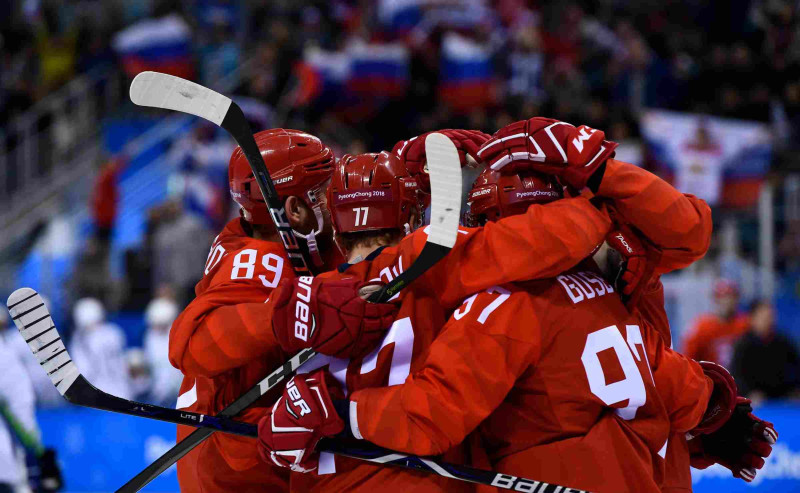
(159, 90)
(35, 325)
(169, 92)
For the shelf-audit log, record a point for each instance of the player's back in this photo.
(401, 352)
(584, 410)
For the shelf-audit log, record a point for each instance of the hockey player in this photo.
(218, 341)
(675, 228)
(546, 237)
(19, 430)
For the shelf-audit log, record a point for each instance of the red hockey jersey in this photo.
(425, 305)
(577, 390)
(223, 341)
(240, 272)
(679, 226)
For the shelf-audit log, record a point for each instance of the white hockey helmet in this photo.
(88, 312)
(161, 311)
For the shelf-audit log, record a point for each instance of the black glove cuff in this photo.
(342, 407)
(594, 181)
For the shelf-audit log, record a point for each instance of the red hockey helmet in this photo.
(370, 192)
(495, 194)
(298, 163)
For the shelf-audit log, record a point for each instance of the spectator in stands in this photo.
(140, 375)
(713, 335)
(104, 200)
(202, 175)
(180, 243)
(17, 401)
(766, 363)
(98, 348)
(160, 314)
(92, 276)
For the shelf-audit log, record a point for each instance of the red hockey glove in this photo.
(550, 146)
(634, 258)
(722, 401)
(329, 316)
(289, 432)
(740, 445)
(412, 151)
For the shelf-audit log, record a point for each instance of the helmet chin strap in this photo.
(311, 237)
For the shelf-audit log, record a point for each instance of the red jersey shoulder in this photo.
(507, 310)
(413, 243)
(385, 266)
(243, 259)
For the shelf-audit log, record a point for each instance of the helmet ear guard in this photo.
(300, 165)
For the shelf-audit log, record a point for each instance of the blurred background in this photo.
(109, 210)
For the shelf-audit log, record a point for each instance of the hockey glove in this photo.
(549, 146)
(288, 434)
(49, 472)
(329, 316)
(740, 445)
(633, 265)
(44, 475)
(722, 401)
(412, 152)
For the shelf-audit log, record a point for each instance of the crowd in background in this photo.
(597, 62)
(439, 64)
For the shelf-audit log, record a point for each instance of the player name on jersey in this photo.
(584, 285)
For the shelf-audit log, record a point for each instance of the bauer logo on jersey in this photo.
(584, 285)
(364, 194)
(302, 311)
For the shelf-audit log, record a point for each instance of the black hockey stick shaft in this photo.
(157, 90)
(35, 325)
(236, 125)
(197, 437)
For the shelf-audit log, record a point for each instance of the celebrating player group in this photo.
(537, 347)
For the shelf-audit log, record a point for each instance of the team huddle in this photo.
(537, 347)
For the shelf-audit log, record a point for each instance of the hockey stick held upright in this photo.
(157, 90)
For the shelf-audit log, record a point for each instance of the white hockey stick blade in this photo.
(444, 169)
(165, 91)
(35, 325)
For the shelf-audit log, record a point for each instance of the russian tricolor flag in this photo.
(466, 73)
(378, 69)
(161, 45)
(400, 16)
(321, 76)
